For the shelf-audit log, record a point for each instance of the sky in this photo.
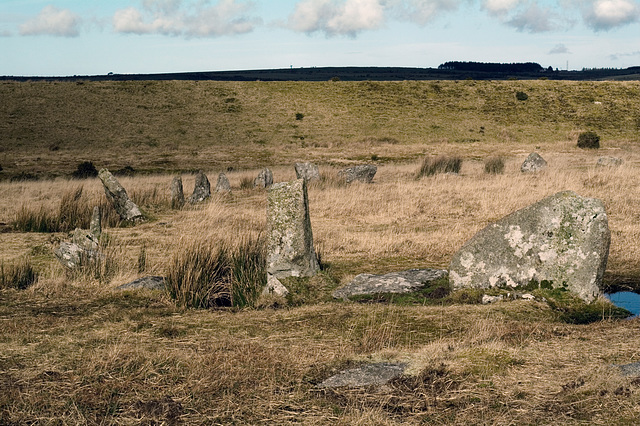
(90, 37)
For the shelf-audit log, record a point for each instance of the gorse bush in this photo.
(441, 164)
(85, 170)
(589, 140)
(521, 96)
(18, 276)
(202, 275)
(494, 166)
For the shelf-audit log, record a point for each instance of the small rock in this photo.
(201, 189)
(533, 163)
(150, 283)
(528, 296)
(609, 162)
(486, 299)
(223, 185)
(264, 179)
(274, 286)
(363, 173)
(395, 282)
(307, 171)
(367, 375)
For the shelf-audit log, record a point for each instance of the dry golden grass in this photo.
(75, 351)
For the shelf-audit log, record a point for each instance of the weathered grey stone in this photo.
(533, 163)
(264, 179)
(73, 255)
(367, 375)
(95, 226)
(307, 171)
(362, 173)
(150, 283)
(562, 241)
(223, 185)
(85, 239)
(486, 299)
(609, 162)
(290, 249)
(632, 369)
(395, 282)
(118, 197)
(201, 189)
(177, 193)
(274, 286)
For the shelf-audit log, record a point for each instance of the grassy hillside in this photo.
(49, 127)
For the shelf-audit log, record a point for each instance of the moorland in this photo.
(73, 350)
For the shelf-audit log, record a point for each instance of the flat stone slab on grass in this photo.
(150, 283)
(367, 375)
(632, 369)
(395, 282)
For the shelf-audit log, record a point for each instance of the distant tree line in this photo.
(492, 67)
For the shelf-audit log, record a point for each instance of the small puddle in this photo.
(627, 300)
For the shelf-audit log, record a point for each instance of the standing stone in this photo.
(223, 184)
(72, 255)
(290, 251)
(264, 179)
(561, 241)
(95, 226)
(118, 197)
(533, 163)
(177, 193)
(362, 173)
(609, 162)
(84, 239)
(201, 189)
(307, 171)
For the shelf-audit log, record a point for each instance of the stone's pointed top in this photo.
(201, 189)
(118, 197)
(561, 241)
(533, 163)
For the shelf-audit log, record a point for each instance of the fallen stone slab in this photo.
(609, 162)
(72, 255)
(396, 282)
(367, 375)
(149, 283)
(632, 369)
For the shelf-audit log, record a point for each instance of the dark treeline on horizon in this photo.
(491, 67)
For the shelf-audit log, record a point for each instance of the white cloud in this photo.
(52, 21)
(604, 15)
(617, 56)
(534, 19)
(499, 7)
(179, 18)
(424, 11)
(559, 49)
(337, 18)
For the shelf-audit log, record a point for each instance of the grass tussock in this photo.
(206, 275)
(494, 166)
(18, 276)
(440, 164)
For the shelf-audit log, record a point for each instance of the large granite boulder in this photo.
(222, 185)
(118, 197)
(177, 193)
(396, 282)
(307, 171)
(533, 163)
(560, 241)
(290, 250)
(362, 173)
(264, 179)
(201, 189)
(73, 255)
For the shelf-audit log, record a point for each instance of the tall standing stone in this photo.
(561, 241)
(307, 171)
(177, 193)
(118, 197)
(95, 226)
(362, 173)
(201, 189)
(223, 185)
(290, 249)
(533, 163)
(264, 179)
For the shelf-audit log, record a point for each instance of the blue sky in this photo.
(72, 37)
